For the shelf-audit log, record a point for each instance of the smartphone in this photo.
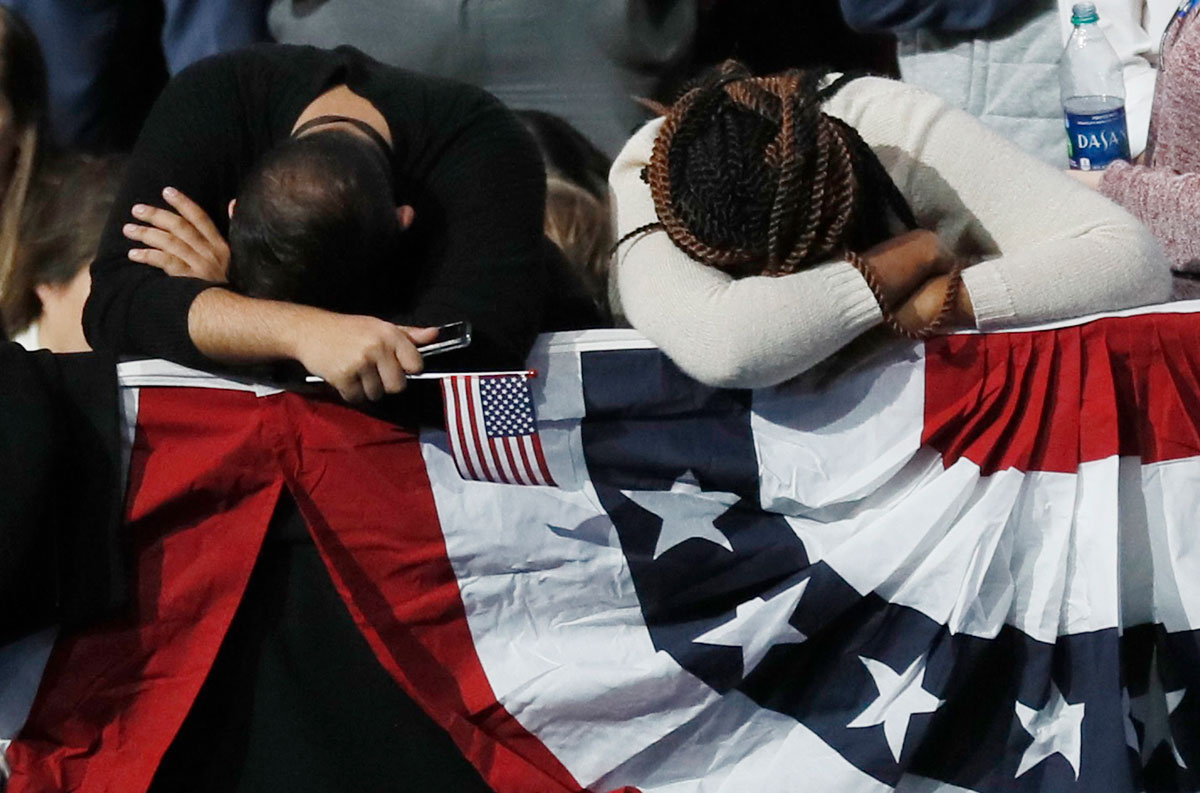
(454, 336)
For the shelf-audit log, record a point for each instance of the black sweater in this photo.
(462, 161)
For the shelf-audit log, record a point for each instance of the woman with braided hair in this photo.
(765, 222)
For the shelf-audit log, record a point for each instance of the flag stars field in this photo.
(901, 696)
(759, 625)
(1057, 728)
(687, 512)
(1152, 711)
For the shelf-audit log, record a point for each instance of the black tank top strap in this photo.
(357, 123)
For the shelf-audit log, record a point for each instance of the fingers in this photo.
(372, 384)
(170, 224)
(171, 265)
(389, 362)
(391, 374)
(419, 336)
(163, 241)
(405, 348)
(192, 212)
(385, 367)
(188, 234)
(362, 357)
(350, 390)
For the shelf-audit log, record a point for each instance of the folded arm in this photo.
(190, 142)
(488, 193)
(736, 333)
(1052, 248)
(483, 199)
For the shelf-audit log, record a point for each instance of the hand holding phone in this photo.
(453, 336)
(362, 357)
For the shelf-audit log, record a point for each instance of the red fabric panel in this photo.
(207, 470)
(201, 494)
(363, 489)
(1048, 401)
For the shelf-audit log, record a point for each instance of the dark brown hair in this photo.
(749, 176)
(315, 223)
(69, 201)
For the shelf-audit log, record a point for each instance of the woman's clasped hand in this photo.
(914, 272)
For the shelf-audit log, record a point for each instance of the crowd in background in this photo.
(105, 63)
(579, 74)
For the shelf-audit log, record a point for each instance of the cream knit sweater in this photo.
(1052, 248)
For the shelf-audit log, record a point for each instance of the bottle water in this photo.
(1093, 95)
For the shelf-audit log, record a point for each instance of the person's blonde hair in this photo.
(23, 86)
(68, 203)
(14, 203)
(581, 226)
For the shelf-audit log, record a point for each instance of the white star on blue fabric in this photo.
(1056, 729)
(1153, 710)
(759, 625)
(687, 512)
(901, 696)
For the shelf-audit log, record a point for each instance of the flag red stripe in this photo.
(1049, 401)
(525, 463)
(499, 452)
(115, 695)
(454, 428)
(518, 446)
(538, 474)
(388, 559)
(203, 484)
(474, 464)
(466, 423)
(542, 468)
(520, 475)
(477, 432)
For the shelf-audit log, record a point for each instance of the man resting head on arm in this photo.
(458, 167)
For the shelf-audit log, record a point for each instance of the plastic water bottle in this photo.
(1093, 95)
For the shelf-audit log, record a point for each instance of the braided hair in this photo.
(750, 177)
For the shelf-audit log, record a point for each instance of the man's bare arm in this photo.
(359, 356)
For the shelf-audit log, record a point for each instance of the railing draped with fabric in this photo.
(969, 564)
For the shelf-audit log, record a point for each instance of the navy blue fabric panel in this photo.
(647, 426)
(661, 448)
(639, 399)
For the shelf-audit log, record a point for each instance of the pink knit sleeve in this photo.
(1166, 201)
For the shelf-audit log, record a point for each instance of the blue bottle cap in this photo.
(1084, 13)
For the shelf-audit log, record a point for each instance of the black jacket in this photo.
(60, 490)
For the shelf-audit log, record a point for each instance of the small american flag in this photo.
(493, 433)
